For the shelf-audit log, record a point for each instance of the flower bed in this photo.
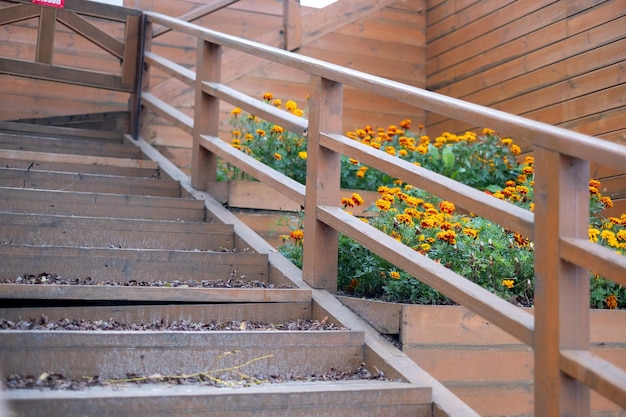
(499, 260)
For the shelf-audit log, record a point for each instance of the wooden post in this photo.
(319, 267)
(45, 35)
(206, 114)
(292, 24)
(139, 25)
(561, 289)
(143, 119)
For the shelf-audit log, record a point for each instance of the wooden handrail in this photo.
(559, 330)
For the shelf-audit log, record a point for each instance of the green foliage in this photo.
(498, 260)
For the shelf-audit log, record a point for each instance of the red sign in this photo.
(52, 3)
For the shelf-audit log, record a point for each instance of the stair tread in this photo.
(92, 147)
(292, 399)
(18, 200)
(75, 163)
(123, 265)
(86, 182)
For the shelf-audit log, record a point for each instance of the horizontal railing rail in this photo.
(558, 331)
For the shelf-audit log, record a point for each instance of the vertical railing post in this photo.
(206, 114)
(561, 288)
(142, 30)
(292, 24)
(320, 256)
(144, 79)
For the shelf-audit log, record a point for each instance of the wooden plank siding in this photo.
(387, 39)
(561, 63)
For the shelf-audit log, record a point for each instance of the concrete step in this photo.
(68, 181)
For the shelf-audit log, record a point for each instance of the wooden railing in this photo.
(73, 15)
(559, 330)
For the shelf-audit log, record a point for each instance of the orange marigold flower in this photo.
(260, 132)
(347, 202)
(606, 200)
(508, 283)
(390, 150)
(404, 219)
(593, 234)
(236, 111)
(611, 301)
(473, 233)
(516, 150)
(277, 129)
(302, 154)
(382, 204)
(594, 183)
(268, 96)
(447, 236)
(405, 124)
(278, 156)
(297, 234)
(487, 131)
(528, 170)
(446, 207)
(394, 275)
(291, 105)
(360, 174)
(357, 199)
(277, 102)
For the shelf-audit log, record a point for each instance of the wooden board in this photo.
(163, 295)
(266, 312)
(68, 203)
(124, 265)
(76, 353)
(112, 184)
(46, 230)
(295, 399)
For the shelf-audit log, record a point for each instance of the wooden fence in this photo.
(565, 369)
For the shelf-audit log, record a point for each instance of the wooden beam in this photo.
(197, 13)
(45, 71)
(595, 372)
(91, 32)
(292, 24)
(17, 13)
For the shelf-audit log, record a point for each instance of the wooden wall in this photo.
(559, 62)
(381, 37)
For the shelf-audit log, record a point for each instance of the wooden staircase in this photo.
(87, 206)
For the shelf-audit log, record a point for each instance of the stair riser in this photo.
(22, 229)
(68, 146)
(284, 400)
(83, 168)
(275, 312)
(114, 354)
(88, 183)
(122, 265)
(15, 200)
